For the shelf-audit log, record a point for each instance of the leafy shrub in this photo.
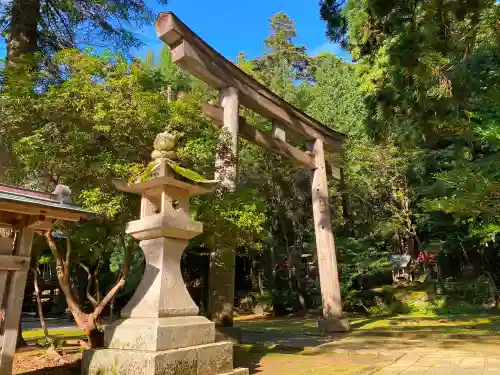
(392, 307)
(479, 292)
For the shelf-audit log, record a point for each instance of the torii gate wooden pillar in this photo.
(237, 89)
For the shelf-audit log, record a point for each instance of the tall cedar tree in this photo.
(51, 25)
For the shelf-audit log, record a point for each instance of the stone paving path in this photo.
(443, 362)
(409, 359)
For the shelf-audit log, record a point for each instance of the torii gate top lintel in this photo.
(194, 55)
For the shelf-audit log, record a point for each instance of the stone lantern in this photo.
(160, 331)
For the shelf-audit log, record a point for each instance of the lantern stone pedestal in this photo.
(161, 332)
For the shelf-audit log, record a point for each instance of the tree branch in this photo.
(69, 249)
(96, 279)
(53, 248)
(62, 274)
(121, 282)
(34, 271)
(89, 284)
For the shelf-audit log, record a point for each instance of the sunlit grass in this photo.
(37, 333)
(463, 324)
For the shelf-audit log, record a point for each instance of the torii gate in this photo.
(237, 88)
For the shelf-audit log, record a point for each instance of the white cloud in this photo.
(333, 48)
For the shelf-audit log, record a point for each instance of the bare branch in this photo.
(34, 270)
(96, 279)
(52, 246)
(62, 273)
(69, 249)
(121, 282)
(89, 284)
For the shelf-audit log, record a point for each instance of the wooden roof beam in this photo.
(35, 210)
(35, 222)
(261, 138)
(14, 263)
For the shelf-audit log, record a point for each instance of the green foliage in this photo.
(476, 292)
(85, 121)
(44, 342)
(78, 130)
(187, 174)
(336, 100)
(427, 75)
(417, 300)
(163, 66)
(236, 219)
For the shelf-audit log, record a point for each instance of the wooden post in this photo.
(14, 303)
(279, 131)
(226, 163)
(222, 257)
(5, 249)
(169, 94)
(332, 319)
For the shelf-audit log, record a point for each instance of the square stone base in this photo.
(210, 359)
(334, 325)
(157, 334)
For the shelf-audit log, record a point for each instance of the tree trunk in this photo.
(34, 270)
(298, 250)
(260, 281)
(97, 285)
(87, 322)
(253, 273)
(221, 284)
(346, 206)
(23, 36)
(273, 270)
(111, 310)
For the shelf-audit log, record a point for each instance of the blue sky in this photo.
(239, 26)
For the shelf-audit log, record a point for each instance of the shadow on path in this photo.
(250, 356)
